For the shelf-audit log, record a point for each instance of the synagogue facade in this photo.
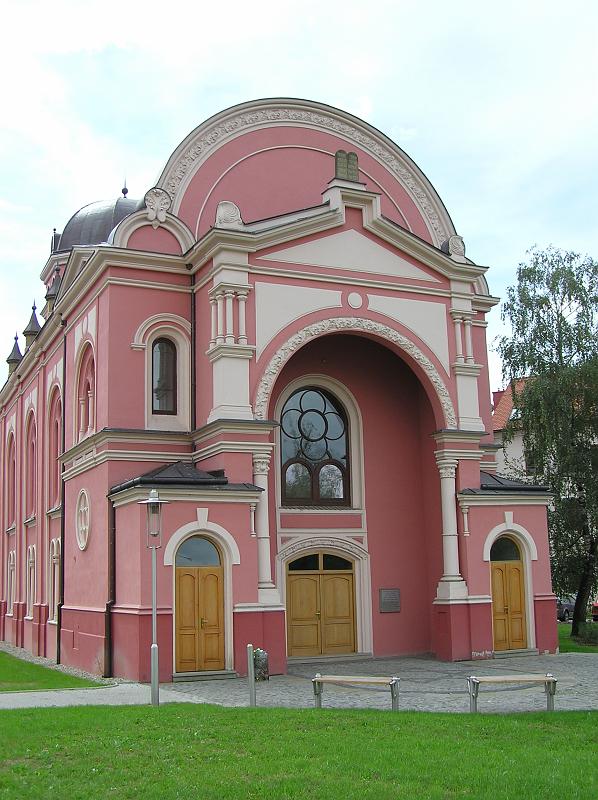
(286, 339)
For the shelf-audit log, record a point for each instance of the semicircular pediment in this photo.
(405, 189)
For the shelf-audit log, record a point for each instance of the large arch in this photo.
(227, 125)
(433, 384)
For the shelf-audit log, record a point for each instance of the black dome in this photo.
(93, 223)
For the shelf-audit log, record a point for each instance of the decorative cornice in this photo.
(229, 124)
(349, 324)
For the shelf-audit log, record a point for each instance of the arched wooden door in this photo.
(508, 595)
(320, 605)
(199, 599)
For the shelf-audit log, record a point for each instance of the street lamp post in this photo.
(154, 541)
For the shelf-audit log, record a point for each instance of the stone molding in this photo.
(211, 135)
(349, 324)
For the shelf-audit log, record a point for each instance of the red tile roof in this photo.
(504, 407)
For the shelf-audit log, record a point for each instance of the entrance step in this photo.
(529, 651)
(327, 659)
(207, 675)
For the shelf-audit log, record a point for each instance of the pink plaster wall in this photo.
(157, 240)
(292, 166)
(396, 419)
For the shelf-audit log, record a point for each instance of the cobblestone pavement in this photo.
(426, 685)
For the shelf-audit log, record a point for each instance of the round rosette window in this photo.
(82, 520)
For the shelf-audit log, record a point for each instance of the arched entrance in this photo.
(320, 605)
(508, 595)
(199, 598)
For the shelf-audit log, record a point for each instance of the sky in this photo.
(495, 102)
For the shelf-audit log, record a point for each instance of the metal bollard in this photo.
(317, 690)
(473, 685)
(251, 675)
(394, 692)
(550, 689)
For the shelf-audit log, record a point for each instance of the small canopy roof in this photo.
(183, 474)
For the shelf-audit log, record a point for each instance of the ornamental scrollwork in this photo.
(335, 325)
(220, 131)
(157, 202)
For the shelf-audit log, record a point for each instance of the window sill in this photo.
(11, 528)
(29, 521)
(54, 512)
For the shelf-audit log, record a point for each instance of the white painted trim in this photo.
(357, 325)
(197, 527)
(362, 579)
(124, 230)
(230, 555)
(171, 320)
(529, 553)
(201, 143)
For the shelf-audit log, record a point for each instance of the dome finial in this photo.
(124, 190)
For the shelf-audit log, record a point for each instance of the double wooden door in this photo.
(199, 619)
(320, 612)
(508, 605)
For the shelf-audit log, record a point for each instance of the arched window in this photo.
(314, 449)
(31, 467)
(11, 478)
(164, 377)
(197, 552)
(54, 449)
(86, 395)
(10, 587)
(30, 588)
(54, 580)
(504, 549)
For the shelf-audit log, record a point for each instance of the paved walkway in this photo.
(426, 685)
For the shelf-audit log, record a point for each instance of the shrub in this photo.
(588, 634)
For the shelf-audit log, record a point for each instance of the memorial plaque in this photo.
(390, 600)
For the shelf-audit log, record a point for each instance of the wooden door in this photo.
(508, 605)
(199, 627)
(304, 614)
(320, 609)
(338, 624)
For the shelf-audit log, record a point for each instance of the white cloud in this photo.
(495, 103)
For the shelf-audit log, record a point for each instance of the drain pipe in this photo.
(193, 353)
(108, 638)
(62, 503)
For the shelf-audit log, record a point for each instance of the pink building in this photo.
(286, 339)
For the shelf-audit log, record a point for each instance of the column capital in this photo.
(447, 466)
(261, 463)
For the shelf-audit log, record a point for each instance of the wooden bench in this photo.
(474, 681)
(356, 680)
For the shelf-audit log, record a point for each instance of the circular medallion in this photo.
(355, 300)
(82, 519)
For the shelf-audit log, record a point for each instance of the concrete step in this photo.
(207, 675)
(529, 651)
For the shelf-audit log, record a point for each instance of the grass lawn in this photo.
(17, 675)
(569, 645)
(197, 751)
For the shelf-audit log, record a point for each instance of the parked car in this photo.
(595, 610)
(564, 607)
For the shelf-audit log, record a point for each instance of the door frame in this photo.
(529, 553)
(362, 592)
(229, 554)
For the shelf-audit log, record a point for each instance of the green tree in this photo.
(553, 315)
